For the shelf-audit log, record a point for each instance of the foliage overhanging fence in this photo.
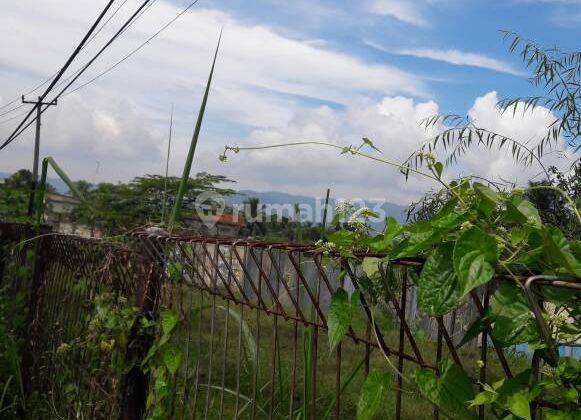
(250, 328)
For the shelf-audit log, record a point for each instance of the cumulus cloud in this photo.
(102, 139)
(263, 78)
(393, 125)
(528, 128)
(269, 88)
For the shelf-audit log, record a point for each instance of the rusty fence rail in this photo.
(251, 328)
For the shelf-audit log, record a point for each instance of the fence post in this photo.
(42, 248)
(150, 273)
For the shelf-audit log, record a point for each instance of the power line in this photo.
(97, 32)
(62, 70)
(79, 69)
(134, 51)
(16, 133)
(16, 108)
(127, 56)
(7, 120)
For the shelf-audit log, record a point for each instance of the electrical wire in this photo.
(134, 51)
(62, 70)
(20, 128)
(7, 120)
(124, 58)
(55, 73)
(16, 108)
(78, 70)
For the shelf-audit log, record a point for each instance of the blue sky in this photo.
(332, 70)
(464, 25)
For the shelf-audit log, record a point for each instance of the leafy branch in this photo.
(559, 73)
(459, 139)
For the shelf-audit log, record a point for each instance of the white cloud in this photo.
(80, 132)
(393, 125)
(408, 11)
(457, 57)
(262, 77)
(119, 125)
(528, 128)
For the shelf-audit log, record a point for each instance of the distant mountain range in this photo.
(277, 200)
(281, 201)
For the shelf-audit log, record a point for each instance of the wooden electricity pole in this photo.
(38, 104)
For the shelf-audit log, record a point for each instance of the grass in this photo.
(275, 361)
(266, 361)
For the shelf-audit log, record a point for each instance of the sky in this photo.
(303, 70)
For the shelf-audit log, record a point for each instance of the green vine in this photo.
(162, 362)
(476, 234)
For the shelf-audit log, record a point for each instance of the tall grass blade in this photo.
(343, 388)
(6, 386)
(167, 167)
(188, 165)
(249, 342)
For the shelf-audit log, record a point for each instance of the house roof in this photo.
(227, 219)
(230, 219)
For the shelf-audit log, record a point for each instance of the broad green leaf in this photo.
(373, 393)
(420, 237)
(393, 229)
(438, 290)
(475, 257)
(515, 394)
(558, 251)
(487, 198)
(340, 315)
(522, 211)
(370, 266)
(172, 358)
(169, 320)
(376, 244)
(519, 404)
(384, 241)
(449, 217)
(483, 398)
(342, 238)
(518, 235)
(448, 221)
(452, 392)
(513, 320)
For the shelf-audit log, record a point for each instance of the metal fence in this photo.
(251, 330)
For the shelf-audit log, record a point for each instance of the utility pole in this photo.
(38, 103)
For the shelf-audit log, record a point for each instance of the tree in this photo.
(118, 207)
(552, 206)
(255, 225)
(15, 195)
